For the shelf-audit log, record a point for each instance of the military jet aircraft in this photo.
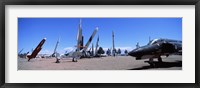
(157, 48)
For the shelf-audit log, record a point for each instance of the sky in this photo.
(128, 31)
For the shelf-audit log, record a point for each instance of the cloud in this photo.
(125, 48)
(45, 52)
(104, 48)
(68, 49)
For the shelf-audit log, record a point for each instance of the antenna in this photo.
(149, 38)
(137, 46)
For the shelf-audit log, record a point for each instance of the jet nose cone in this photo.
(133, 53)
(136, 53)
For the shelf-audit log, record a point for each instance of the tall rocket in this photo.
(79, 37)
(113, 43)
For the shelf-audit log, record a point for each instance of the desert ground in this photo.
(173, 62)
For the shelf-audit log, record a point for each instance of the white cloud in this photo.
(105, 49)
(68, 49)
(125, 48)
(45, 52)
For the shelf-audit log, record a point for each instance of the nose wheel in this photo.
(57, 61)
(160, 60)
(152, 64)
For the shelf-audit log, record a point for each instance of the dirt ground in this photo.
(173, 62)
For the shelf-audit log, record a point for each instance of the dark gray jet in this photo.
(157, 48)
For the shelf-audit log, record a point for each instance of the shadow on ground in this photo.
(160, 65)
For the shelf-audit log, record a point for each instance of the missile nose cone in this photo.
(97, 28)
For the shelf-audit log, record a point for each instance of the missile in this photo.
(20, 51)
(113, 42)
(90, 39)
(82, 43)
(36, 50)
(92, 49)
(97, 45)
(79, 36)
(56, 46)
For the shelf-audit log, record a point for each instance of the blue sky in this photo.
(128, 31)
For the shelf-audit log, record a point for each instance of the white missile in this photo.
(56, 45)
(79, 36)
(97, 45)
(90, 39)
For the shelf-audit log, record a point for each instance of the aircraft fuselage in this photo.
(157, 48)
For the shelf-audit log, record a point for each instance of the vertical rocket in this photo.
(37, 50)
(113, 43)
(79, 37)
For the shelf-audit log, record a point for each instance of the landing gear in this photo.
(159, 59)
(57, 60)
(151, 62)
(57, 56)
(74, 60)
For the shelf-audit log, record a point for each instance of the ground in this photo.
(173, 62)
